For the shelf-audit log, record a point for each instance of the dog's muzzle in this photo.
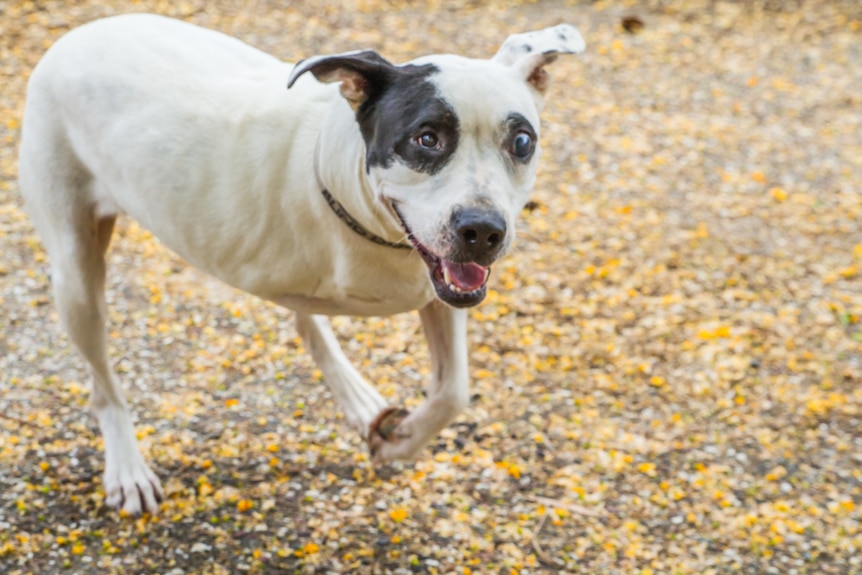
(476, 239)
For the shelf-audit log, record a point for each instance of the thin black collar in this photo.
(354, 225)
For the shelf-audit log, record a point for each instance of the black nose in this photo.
(480, 234)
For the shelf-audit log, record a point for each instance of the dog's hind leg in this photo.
(360, 402)
(58, 193)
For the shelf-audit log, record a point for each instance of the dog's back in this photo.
(106, 82)
(166, 122)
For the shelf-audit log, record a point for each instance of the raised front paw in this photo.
(384, 433)
(133, 487)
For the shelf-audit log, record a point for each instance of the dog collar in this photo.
(354, 225)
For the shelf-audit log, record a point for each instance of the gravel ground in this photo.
(666, 372)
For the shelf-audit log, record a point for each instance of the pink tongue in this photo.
(466, 277)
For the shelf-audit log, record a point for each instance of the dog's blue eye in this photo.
(522, 146)
(428, 140)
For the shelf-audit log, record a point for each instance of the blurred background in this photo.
(666, 372)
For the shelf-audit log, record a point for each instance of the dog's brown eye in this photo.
(522, 146)
(428, 140)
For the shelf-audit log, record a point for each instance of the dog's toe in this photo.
(383, 432)
(386, 422)
(113, 495)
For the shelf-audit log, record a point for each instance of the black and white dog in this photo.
(366, 189)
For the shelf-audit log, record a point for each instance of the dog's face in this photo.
(451, 147)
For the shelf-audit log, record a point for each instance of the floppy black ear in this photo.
(362, 73)
(528, 54)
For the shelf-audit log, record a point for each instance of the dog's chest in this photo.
(381, 290)
(345, 279)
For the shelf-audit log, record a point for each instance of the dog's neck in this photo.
(343, 214)
(341, 170)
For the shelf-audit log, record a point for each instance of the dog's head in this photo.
(451, 146)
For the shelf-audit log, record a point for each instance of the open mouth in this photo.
(459, 284)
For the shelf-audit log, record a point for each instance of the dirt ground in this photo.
(665, 374)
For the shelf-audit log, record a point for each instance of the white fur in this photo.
(195, 136)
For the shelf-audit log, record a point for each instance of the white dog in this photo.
(394, 190)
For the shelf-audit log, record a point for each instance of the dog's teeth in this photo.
(449, 284)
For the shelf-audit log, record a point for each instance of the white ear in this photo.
(528, 53)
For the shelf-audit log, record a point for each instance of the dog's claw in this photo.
(382, 429)
(385, 423)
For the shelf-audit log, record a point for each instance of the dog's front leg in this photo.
(397, 435)
(360, 402)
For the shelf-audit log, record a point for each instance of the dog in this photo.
(361, 187)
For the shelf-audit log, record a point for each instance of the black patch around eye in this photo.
(407, 106)
(516, 127)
